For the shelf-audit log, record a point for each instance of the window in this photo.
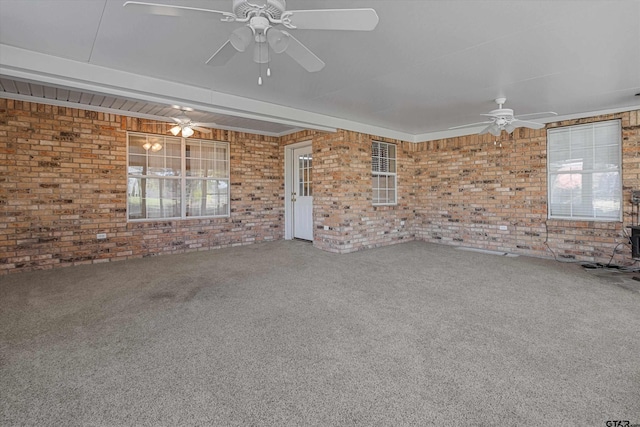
(171, 178)
(383, 171)
(584, 172)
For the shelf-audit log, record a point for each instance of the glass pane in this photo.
(392, 151)
(198, 168)
(172, 167)
(207, 151)
(606, 195)
(392, 165)
(220, 169)
(134, 198)
(137, 165)
(158, 198)
(193, 168)
(135, 145)
(207, 197)
(156, 166)
(391, 196)
(192, 150)
(607, 157)
(172, 148)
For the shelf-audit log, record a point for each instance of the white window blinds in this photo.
(584, 172)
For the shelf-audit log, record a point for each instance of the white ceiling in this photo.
(428, 66)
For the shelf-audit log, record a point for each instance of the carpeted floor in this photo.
(283, 334)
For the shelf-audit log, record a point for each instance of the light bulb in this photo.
(187, 132)
(260, 81)
(268, 72)
(175, 130)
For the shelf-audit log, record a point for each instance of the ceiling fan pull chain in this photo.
(268, 62)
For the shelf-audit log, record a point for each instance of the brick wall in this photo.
(63, 180)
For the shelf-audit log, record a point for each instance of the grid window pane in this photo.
(160, 187)
(584, 169)
(383, 169)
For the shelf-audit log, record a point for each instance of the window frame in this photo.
(586, 172)
(183, 178)
(387, 174)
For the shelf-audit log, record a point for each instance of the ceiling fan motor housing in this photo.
(244, 9)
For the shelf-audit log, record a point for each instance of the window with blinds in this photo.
(172, 178)
(383, 171)
(584, 172)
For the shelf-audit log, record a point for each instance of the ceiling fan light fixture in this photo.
(495, 130)
(187, 132)
(156, 147)
(146, 146)
(509, 128)
(241, 38)
(261, 53)
(278, 40)
(175, 130)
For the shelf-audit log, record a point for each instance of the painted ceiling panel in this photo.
(65, 28)
(428, 65)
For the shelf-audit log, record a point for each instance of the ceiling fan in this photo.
(184, 126)
(260, 21)
(503, 119)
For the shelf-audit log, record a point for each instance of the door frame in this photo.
(288, 186)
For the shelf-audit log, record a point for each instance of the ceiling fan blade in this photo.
(302, 55)
(207, 125)
(172, 10)
(470, 125)
(199, 129)
(222, 55)
(525, 124)
(545, 113)
(335, 19)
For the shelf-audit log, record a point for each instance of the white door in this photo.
(302, 194)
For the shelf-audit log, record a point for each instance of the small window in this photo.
(584, 172)
(383, 171)
(173, 178)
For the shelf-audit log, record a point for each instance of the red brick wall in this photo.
(470, 187)
(63, 180)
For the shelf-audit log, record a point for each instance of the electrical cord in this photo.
(625, 268)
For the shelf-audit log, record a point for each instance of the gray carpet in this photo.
(283, 334)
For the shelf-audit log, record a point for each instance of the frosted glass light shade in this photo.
(187, 132)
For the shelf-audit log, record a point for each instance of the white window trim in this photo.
(394, 175)
(590, 171)
(183, 180)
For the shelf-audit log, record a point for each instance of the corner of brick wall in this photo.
(345, 219)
